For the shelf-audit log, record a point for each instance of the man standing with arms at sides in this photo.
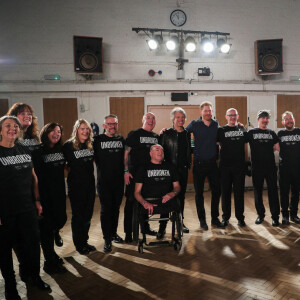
(262, 142)
(109, 157)
(205, 165)
(176, 142)
(137, 148)
(289, 166)
(232, 139)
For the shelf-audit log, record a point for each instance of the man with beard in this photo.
(109, 156)
(262, 142)
(232, 138)
(205, 165)
(289, 165)
(137, 147)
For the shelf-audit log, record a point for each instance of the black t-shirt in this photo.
(81, 165)
(232, 141)
(49, 165)
(182, 145)
(261, 144)
(289, 142)
(16, 180)
(30, 143)
(157, 179)
(109, 157)
(140, 142)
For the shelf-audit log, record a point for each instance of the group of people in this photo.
(33, 198)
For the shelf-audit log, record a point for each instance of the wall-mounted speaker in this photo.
(179, 97)
(268, 57)
(87, 54)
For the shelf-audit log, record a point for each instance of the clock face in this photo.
(178, 17)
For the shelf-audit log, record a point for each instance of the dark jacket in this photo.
(169, 141)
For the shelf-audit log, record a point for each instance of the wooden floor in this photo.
(255, 262)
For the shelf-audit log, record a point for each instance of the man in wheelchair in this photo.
(156, 188)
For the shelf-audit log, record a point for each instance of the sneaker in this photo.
(107, 246)
(216, 222)
(295, 219)
(117, 239)
(285, 221)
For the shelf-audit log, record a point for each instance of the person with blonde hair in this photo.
(79, 154)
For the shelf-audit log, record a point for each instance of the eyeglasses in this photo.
(232, 115)
(112, 124)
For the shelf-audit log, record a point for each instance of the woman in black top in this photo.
(49, 164)
(18, 219)
(79, 154)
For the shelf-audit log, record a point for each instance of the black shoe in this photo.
(241, 223)
(185, 229)
(83, 250)
(150, 231)
(224, 223)
(90, 247)
(128, 238)
(275, 223)
(107, 246)
(40, 284)
(203, 225)
(259, 220)
(58, 240)
(285, 221)
(58, 259)
(295, 219)
(117, 239)
(161, 233)
(12, 295)
(54, 268)
(217, 223)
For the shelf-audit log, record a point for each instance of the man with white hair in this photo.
(289, 166)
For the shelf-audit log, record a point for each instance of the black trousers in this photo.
(289, 179)
(23, 230)
(201, 170)
(232, 177)
(183, 177)
(82, 204)
(128, 208)
(110, 198)
(258, 177)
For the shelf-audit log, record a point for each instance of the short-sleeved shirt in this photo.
(157, 179)
(232, 140)
(16, 180)
(30, 143)
(205, 139)
(81, 165)
(109, 157)
(261, 144)
(289, 141)
(140, 142)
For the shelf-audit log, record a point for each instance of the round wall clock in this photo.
(178, 17)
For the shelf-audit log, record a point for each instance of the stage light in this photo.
(207, 45)
(154, 42)
(223, 45)
(172, 43)
(190, 44)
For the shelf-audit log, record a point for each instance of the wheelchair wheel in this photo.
(179, 225)
(135, 222)
(141, 247)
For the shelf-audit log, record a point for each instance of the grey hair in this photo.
(175, 110)
(229, 109)
(4, 118)
(155, 145)
(110, 116)
(287, 113)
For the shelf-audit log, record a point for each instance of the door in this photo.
(63, 111)
(3, 107)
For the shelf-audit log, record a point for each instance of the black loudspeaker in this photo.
(88, 54)
(179, 96)
(268, 57)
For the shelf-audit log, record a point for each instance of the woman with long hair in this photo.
(49, 164)
(79, 154)
(18, 218)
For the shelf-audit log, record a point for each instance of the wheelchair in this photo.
(140, 215)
